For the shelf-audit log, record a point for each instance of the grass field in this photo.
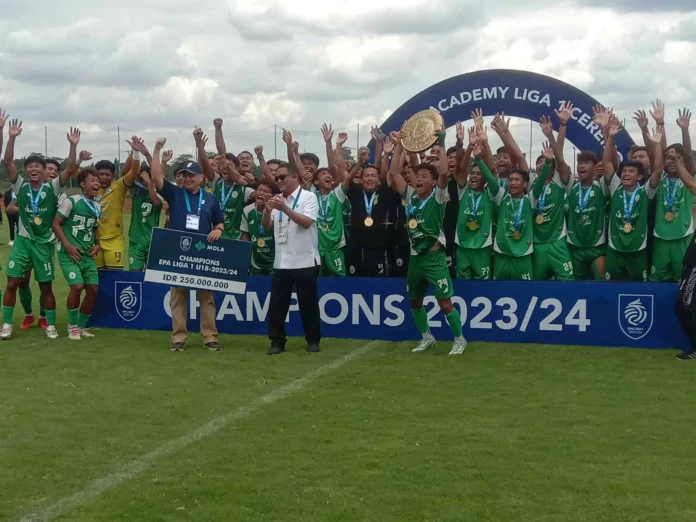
(119, 428)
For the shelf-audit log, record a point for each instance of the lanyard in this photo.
(542, 201)
(325, 205)
(200, 202)
(369, 204)
(259, 226)
(475, 203)
(411, 210)
(672, 192)
(517, 215)
(226, 197)
(503, 182)
(92, 206)
(583, 198)
(280, 216)
(35, 200)
(628, 205)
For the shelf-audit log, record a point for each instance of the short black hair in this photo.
(502, 150)
(85, 173)
(430, 167)
(34, 159)
(523, 173)
(274, 162)
(308, 156)
(246, 152)
(291, 168)
(319, 171)
(631, 163)
(144, 167)
(53, 162)
(232, 158)
(452, 150)
(587, 155)
(106, 165)
(678, 148)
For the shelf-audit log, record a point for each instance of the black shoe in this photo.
(275, 349)
(178, 347)
(313, 348)
(687, 356)
(214, 346)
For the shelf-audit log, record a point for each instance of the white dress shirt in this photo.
(301, 250)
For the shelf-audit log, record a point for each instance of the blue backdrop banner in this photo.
(584, 313)
(516, 93)
(188, 260)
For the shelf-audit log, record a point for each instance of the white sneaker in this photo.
(84, 332)
(458, 347)
(11, 243)
(6, 332)
(74, 333)
(52, 332)
(424, 345)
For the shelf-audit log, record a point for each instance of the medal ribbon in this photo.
(411, 210)
(503, 182)
(325, 208)
(583, 199)
(628, 205)
(475, 203)
(672, 193)
(517, 215)
(280, 216)
(225, 197)
(92, 206)
(35, 200)
(200, 202)
(259, 227)
(369, 204)
(542, 201)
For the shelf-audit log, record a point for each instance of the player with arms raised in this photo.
(145, 215)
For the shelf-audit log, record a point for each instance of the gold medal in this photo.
(37, 220)
(326, 227)
(540, 220)
(516, 235)
(369, 221)
(628, 228)
(473, 225)
(261, 242)
(669, 216)
(421, 130)
(581, 219)
(413, 224)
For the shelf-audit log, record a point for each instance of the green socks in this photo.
(82, 320)
(72, 316)
(51, 317)
(455, 323)
(8, 314)
(25, 299)
(42, 310)
(420, 317)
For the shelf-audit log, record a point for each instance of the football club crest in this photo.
(185, 243)
(635, 315)
(129, 299)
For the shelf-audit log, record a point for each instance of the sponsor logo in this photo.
(200, 246)
(72, 275)
(635, 315)
(185, 243)
(129, 299)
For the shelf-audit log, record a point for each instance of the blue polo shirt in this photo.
(210, 216)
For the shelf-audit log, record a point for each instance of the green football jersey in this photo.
(46, 200)
(475, 219)
(330, 220)
(628, 217)
(233, 199)
(144, 217)
(550, 211)
(514, 240)
(674, 218)
(263, 252)
(81, 217)
(428, 217)
(587, 214)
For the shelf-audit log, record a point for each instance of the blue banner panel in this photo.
(516, 93)
(637, 315)
(188, 260)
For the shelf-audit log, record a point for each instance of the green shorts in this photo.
(333, 263)
(474, 263)
(430, 267)
(137, 257)
(626, 266)
(27, 255)
(256, 271)
(584, 261)
(667, 259)
(83, 273)
(509, 268)
(552, 260)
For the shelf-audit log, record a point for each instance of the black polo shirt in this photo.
(383, 213)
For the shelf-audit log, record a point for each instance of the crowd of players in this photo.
(484, 213)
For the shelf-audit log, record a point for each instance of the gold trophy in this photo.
(421, 130)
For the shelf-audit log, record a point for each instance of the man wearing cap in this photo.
(191, 209)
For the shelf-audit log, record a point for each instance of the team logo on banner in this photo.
(129, 299)
(635, 315)
(185, 243)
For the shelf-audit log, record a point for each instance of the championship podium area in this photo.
(535, 422)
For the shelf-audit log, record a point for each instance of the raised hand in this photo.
(295, 147)
(342, 138)
(167, 156)
(460, 132)
(258, 150)
(656, 136)
(472, 135)
(374, 132)
(136, 144)
(3, 118)
(15, 128)
(683, 120)
(658, 112)
(641, 118)
(601, 116)
(546, 125)
(388, 145)
(85, 156)
(198, 134)
(287, 137)
(614, 128)
(565, 113)
(74, 136)
(217, 123)
(159, 144)
(327, 132)
(477, 116)
(482, 134)
(499, 124)
(476, 146)
(547, 151)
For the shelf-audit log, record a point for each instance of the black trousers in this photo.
(687, 318)
(304, 281)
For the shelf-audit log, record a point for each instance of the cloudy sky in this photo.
(160, 67)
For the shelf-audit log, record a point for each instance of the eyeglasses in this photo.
(280, 177)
